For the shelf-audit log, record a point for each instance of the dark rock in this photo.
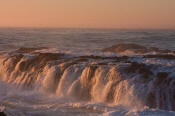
(161, 76)
(115, 58)
(140, 68)
(134, 67)
(2, 114)
(90, 57)
(145, 72)
(123, 58)
(151, 100)
(102, 63)
(164, 56)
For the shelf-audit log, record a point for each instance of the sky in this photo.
(88, 13)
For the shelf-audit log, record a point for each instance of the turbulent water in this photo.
(87, 72)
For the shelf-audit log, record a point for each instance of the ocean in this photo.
(87, 72)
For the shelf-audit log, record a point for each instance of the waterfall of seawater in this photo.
(111, 80)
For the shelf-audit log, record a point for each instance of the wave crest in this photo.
(134, 48)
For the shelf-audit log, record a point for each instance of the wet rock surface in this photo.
(141, 68)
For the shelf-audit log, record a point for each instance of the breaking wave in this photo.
(134, 49)
(132, 81)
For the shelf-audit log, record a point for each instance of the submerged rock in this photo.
(119, 48)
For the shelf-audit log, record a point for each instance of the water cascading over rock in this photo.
(113, 80)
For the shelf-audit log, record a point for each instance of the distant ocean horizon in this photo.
(53, 37)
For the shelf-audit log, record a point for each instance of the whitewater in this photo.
(87, 72)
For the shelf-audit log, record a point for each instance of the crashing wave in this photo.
(134, 48)
(118, 80)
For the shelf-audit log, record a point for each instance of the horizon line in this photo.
(50, 27)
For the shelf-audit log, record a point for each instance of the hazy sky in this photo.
(88, 13)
